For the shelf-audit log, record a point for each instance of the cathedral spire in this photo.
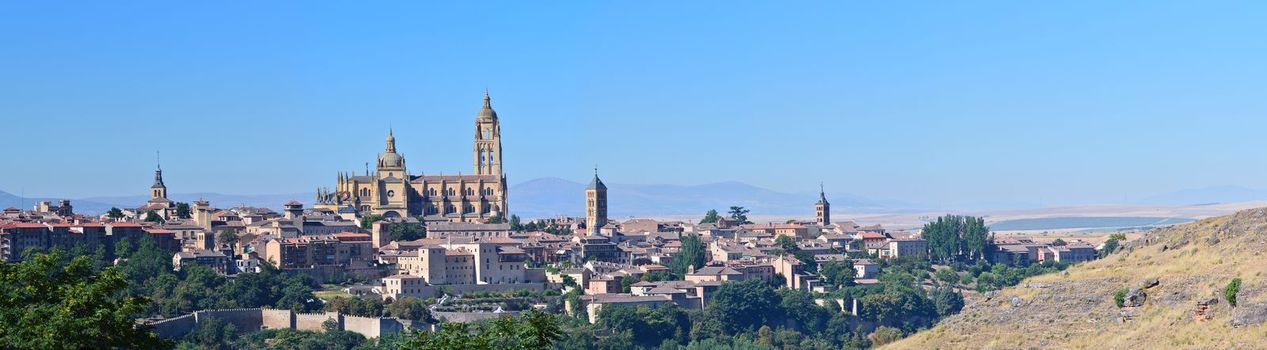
(391, 141)
(158, 171)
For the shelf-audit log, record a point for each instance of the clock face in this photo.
(391, 193)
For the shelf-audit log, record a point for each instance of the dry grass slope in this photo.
(1076, 310)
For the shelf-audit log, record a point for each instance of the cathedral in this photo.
(391, 191)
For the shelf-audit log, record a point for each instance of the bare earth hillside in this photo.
(1191, 263)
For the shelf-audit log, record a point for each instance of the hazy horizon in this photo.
(938, 103)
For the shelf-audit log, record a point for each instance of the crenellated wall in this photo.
(251, 320)
(314, 321)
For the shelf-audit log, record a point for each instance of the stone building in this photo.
(391, 191)
(158, 203)
(595, 205)
(822, 208)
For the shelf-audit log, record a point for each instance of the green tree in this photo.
(1058, 242)
(404, 231)
(516, 224)
(807, 259)
(765, 336)
(367, 222)
(626, 283)
(787, 243)
(182, 210)
(495, 219)
(947, 301)
(43, 301)
(739, 214)
(228, 237)
(976, 238)
(1229, 292)
(409, 308)
(1119, 297)
(692, 253)
(744, 305)
(1110, 246)
(115, 213)
(837, 274)
(151, 216)
(710, 217)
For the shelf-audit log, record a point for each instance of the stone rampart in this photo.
(251, 320)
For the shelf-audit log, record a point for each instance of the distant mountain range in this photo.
(547, 197)
(98, 205)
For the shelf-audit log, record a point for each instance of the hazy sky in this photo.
(939, 102)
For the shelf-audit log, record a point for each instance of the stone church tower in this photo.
(595, 205)
(488, 141)
(823, 209)
(158, 191)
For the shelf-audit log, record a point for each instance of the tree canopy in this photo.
(46, 303)
(739, 214)
(710, 217)
(952, 236)
(692, 253)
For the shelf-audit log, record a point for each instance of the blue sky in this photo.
(931, 102)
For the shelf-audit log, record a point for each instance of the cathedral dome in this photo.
(391, 160)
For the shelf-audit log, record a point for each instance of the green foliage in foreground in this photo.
(531, 330)
(48, 303)
(1229, 292)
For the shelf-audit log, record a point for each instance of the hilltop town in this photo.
(387, 252)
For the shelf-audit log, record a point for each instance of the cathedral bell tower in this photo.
(488, 141)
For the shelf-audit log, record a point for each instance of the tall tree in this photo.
(739, 214)
(115, 213)
(228, 237)
(692, 253)
(43, 302)
(976, 237)
(741, 306)
(837, 274)
(182, 210)
(710, 217)
(151, 216)
(367, 222)
(516, 224)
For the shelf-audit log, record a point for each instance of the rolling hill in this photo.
(1076, 310)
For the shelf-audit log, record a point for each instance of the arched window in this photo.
(365, 192)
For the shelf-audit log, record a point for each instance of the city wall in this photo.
(250, 320)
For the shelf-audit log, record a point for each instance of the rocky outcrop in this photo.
(1249, 315)
(1135, 297)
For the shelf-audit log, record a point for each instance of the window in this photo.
(391, 193)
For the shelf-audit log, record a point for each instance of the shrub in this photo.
(1230, 291)
(1119, 298)
(884, 335)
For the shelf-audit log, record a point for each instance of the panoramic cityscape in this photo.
(641, 176)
